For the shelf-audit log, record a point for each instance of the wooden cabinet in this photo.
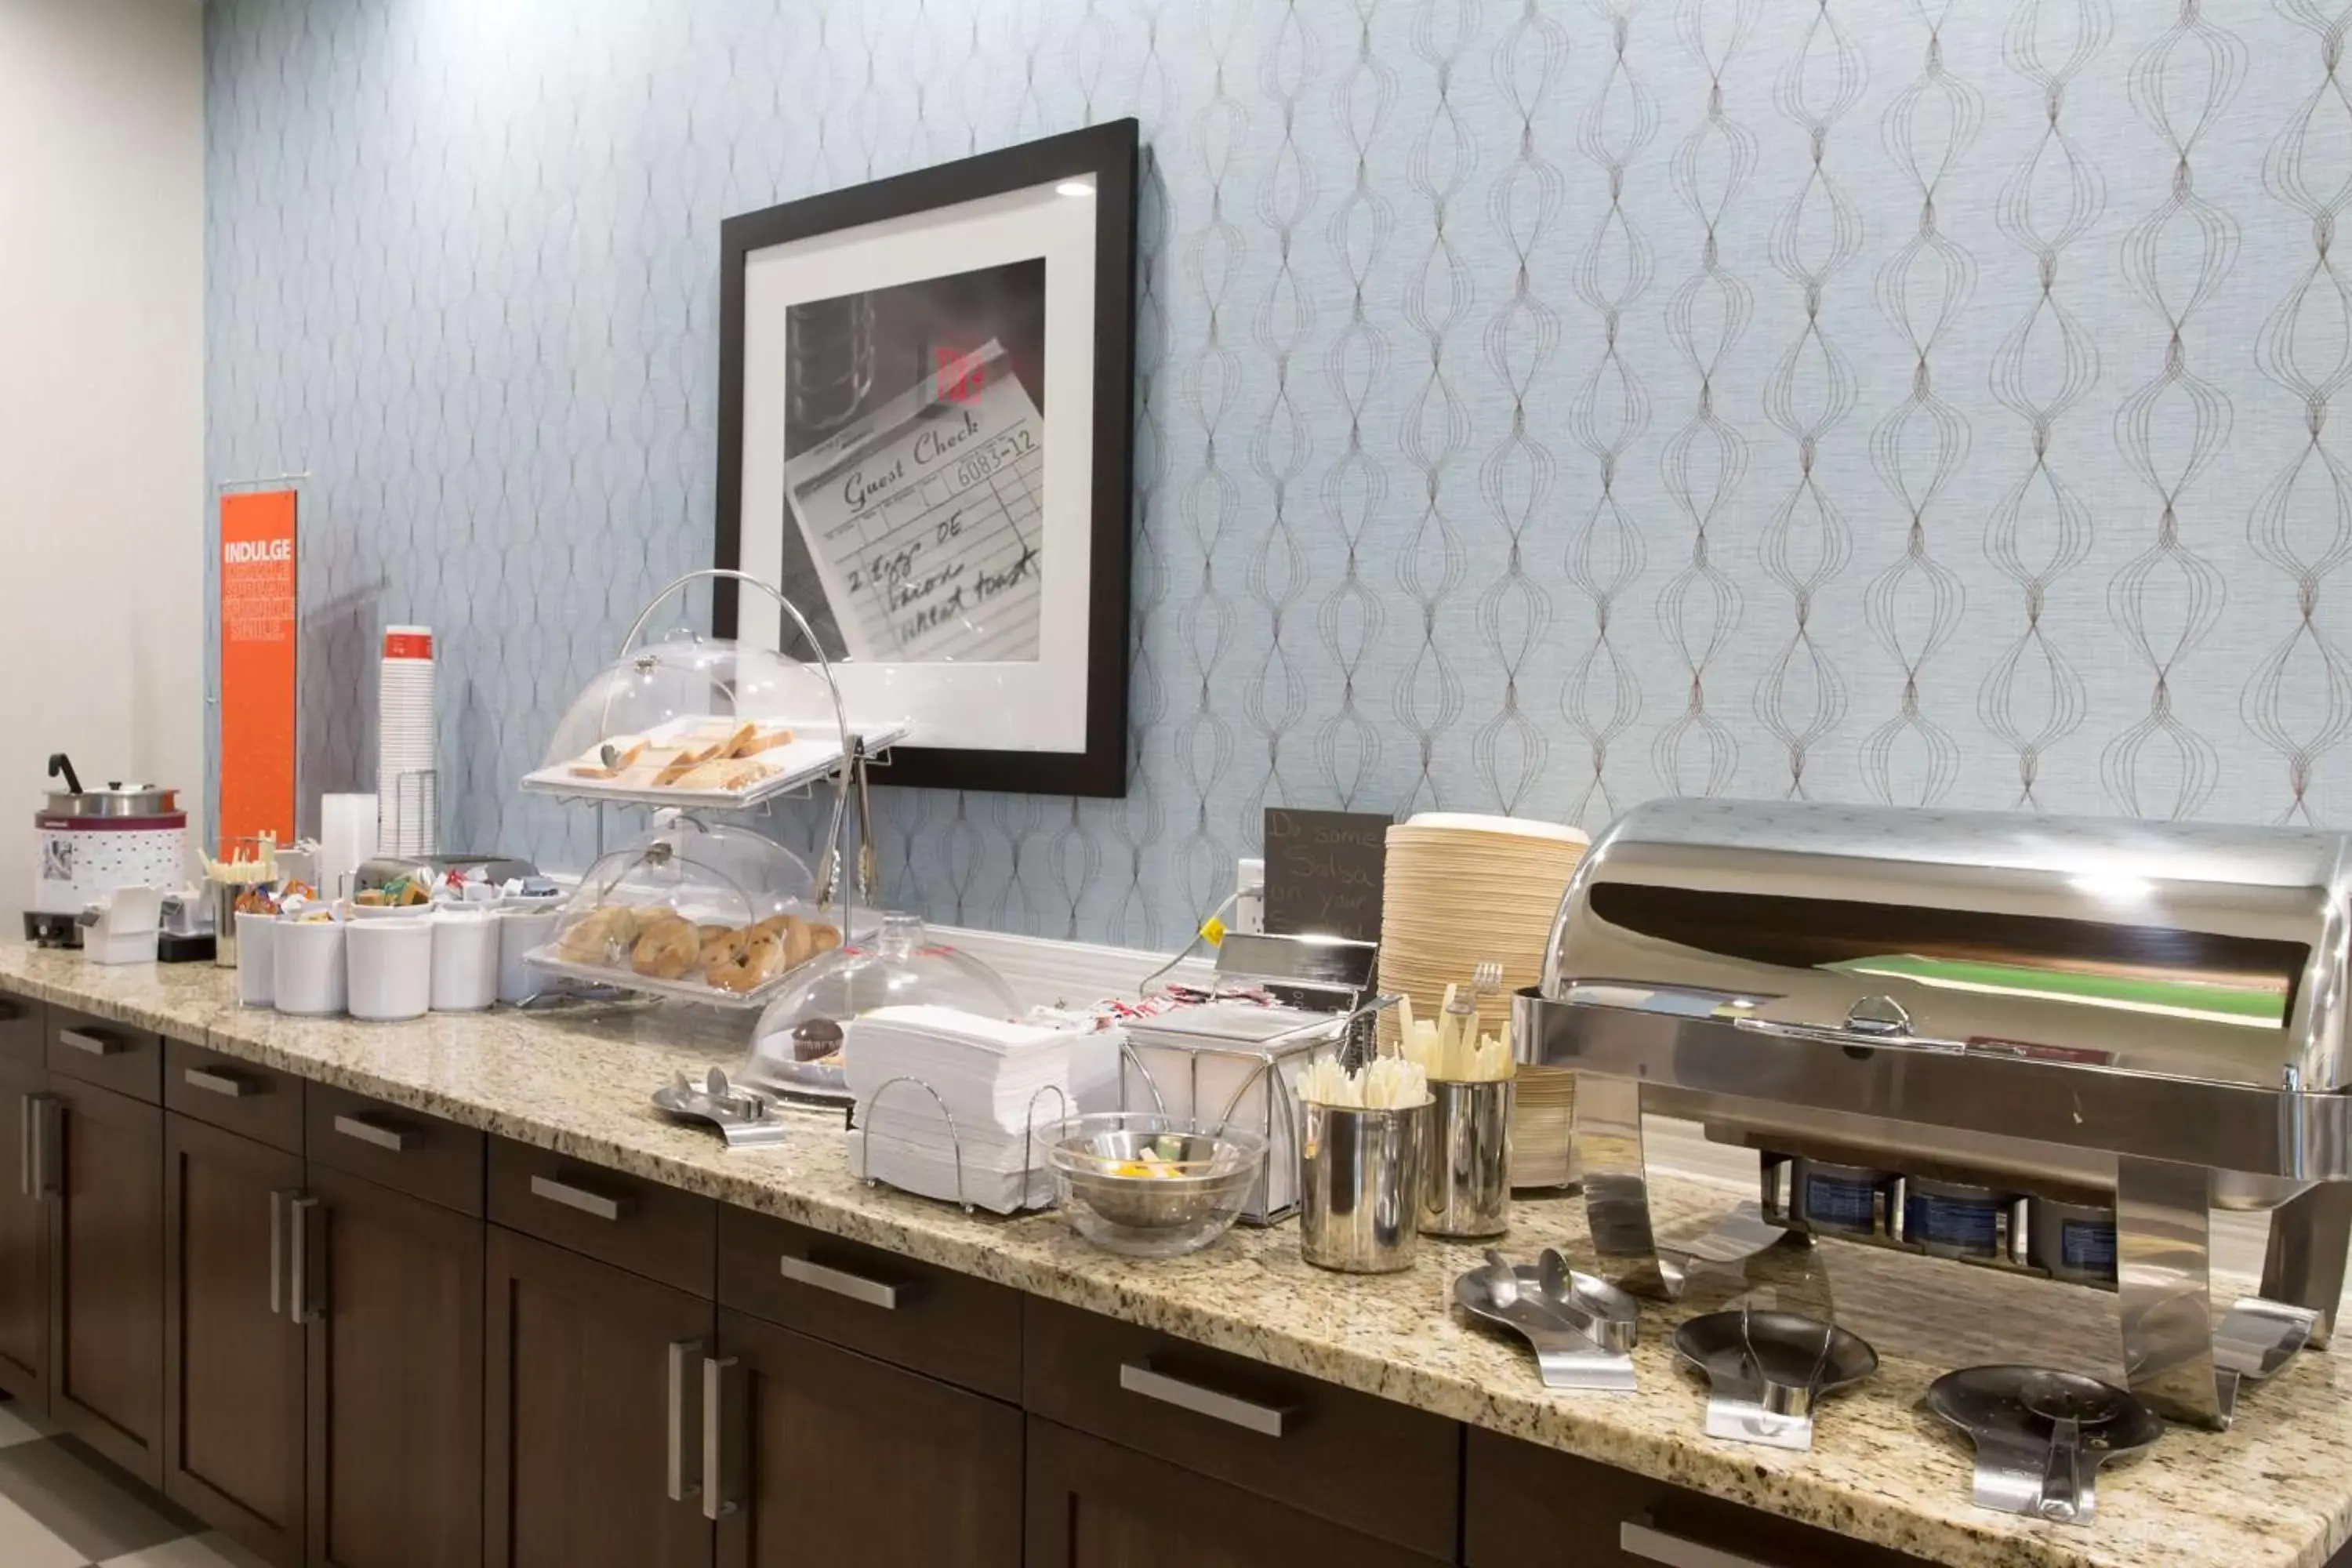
(815, 1456)
(593, 1379)
(27, 1149)
(1524, 1503)
(106, 1275)
(239, 1281)
(1095, 1504)
(395, 1379)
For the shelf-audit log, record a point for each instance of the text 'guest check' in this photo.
(923, 518)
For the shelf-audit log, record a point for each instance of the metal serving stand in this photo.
(2148, 1020)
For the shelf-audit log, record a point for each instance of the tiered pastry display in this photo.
(702, 913)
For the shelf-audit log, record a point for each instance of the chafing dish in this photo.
(1978, 1029)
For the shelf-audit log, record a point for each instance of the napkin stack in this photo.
(996, 1079)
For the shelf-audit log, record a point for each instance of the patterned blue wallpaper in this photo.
(1544, 403)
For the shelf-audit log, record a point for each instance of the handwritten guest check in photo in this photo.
(923, 519)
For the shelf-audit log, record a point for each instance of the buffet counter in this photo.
(2274, 1492)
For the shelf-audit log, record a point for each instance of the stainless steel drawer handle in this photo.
(278, 1250)
(302, 1307)
(674, 1486)
(841, 1282)
(1266, 1420)
(93, 1045)
(1656, 1546)
(213, 1082)
(581, 1198)
(387, 1138)
(48, 1119)
(718, 1440)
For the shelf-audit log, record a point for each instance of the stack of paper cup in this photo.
(407, 796)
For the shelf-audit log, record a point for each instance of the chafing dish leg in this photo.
(2304, 1265)
(2162, 1266)
(1605, 1135)
(1606, 1138)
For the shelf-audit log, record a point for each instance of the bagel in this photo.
(595, 936)
(666, 947)
(761, 960)
(722, 941)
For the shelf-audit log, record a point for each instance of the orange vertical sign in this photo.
(256, 666)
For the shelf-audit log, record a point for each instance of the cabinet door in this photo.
(106, 1275)
(28, 1135)
(395, 1381)
(1094, 1504)
(594, 1387)
(234, 1288)
(817, 1455)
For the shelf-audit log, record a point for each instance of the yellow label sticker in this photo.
(1213, 931)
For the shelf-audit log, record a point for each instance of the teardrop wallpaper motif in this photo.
(1544, 405)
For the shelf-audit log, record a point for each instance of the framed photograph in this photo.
(925, 441)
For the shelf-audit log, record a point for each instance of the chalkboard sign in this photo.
(1323, 872)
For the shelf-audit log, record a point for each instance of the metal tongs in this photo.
(1582, 1330)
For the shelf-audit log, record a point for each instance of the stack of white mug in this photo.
(408, 803)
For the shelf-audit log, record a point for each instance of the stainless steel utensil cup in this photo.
(224, 900)
(1359, 1188)
(1466, 1159)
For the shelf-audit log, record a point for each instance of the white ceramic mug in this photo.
(390, 964)
(307, 966)
(257, 974)
(465, 960)
(520, 930)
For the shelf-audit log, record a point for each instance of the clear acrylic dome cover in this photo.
(678, 911)
(805, 1033)
(686, 693)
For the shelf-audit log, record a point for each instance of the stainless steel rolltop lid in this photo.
(2147, 1016)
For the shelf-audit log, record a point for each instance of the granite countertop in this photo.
(2275, 1491)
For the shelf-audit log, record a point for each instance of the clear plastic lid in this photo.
(693, 910)
(694, 714)
(803, 1035)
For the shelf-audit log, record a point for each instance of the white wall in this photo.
(103, 501)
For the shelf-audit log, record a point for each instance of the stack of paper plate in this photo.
(1460, 888)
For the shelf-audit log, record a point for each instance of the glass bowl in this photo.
(801, 1040)
(1148, 1185)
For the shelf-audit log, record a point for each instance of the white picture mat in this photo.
(1033, 705)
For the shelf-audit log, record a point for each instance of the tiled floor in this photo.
(62, 1508)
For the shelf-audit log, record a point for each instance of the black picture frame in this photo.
(1106, 154)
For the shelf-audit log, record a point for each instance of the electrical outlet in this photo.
(1249, 909)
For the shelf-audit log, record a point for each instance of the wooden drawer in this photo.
(21, 1038)
(407, 1150)
(260, 1102)
(954, 1327)
(1525, 1503)
(112, 1056)
(647, 1228)
(1370, 1464)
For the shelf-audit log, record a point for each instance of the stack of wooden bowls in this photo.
(1460, 888)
